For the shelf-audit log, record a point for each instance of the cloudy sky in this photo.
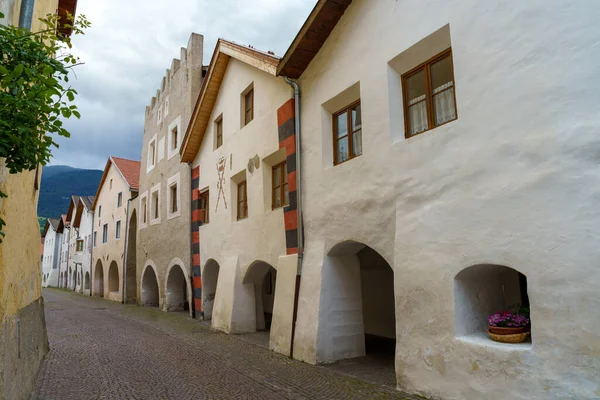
(130, 45)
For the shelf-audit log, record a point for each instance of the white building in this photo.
(450, 169)
(238, 229)
(64, 252)
(82, 227)
(51, 258)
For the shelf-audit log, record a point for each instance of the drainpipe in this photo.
(26, 14)
(192, 302)
(91, 256)
(125, 249)
(297, 127)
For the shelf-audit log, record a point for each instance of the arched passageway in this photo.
(210, 279)
(87, 281)
(150, 294)
(485, 289)
(262, 277)
(177, 292)
(358, 311)
(130, 265)
(98, 279)
(113, 277)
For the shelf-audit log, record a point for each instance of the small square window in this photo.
(120, 199)
(242, 201)
(429, 98)
(118, 230)
(79, 246)
(280, 196)
(347, 133)
(219, 132)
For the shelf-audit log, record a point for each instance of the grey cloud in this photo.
(132, 43)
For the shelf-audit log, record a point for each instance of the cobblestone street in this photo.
(105, 350)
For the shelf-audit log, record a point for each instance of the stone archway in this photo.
(177, 298)
(150, 292)
(113, 277)
(262, 278)
(210, 279)
(131, 262)
(358, 292)
(98, 279)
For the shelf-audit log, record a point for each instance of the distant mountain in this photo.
(59, 183)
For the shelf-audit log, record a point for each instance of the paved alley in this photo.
(105, 350)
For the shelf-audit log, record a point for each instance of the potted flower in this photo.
(508, 323)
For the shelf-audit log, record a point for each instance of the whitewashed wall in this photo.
(514, 181)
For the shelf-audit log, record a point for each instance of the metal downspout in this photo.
(297, 128)
(26, 14)
(91, 282)
(125, 250)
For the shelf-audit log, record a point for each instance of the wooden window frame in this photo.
(426, 68)
(245, 201)
(204, 207)
(219, 135)
(248, 94)
(278, 185)
(347, 109)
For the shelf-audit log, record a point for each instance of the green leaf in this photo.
(17, 71)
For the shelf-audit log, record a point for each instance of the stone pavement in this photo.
(105, 350)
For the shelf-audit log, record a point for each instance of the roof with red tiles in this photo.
(130, 169)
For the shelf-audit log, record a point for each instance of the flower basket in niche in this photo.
(509, 327)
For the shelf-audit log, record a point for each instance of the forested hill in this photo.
(59, 183)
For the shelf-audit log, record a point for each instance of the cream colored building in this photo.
(448, 172)
(118, 185)
(21, 302)
(52, 236)
(82, 229)
(160, 216)
(240, 192)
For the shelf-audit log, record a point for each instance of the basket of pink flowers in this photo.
(509, 326)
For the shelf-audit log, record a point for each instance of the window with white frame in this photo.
(119, 199)
(151, 154)
(173, 197)
(155, 205)
(105, 233)
(118, 230)
(143, 210)
(174, 138)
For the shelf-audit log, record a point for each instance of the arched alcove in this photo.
(87, 281)
(262, 277)
(358, 309)
(113, 277)
(484, 289)
(130, 265)
(177, 296)
(150, 294)
(99, 279)
(210, 279)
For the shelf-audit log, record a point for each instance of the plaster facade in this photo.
(512, 182)
(166, 181)
(110, 215)
(82, 227)
(244, 261)
(64, 255)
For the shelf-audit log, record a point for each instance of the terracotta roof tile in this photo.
(130, 170)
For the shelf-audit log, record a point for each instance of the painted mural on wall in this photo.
(221, 182)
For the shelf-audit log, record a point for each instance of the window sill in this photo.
(174, 215)
(155, 221)
(481, 339)
(241, 219)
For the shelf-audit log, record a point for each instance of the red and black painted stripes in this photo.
(195, 239)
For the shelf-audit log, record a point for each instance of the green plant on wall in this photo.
(35, 96)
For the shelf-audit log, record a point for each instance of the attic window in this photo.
(247, 103)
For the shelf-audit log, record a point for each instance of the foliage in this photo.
(42, 222)
(511, 319)
(34, 92)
